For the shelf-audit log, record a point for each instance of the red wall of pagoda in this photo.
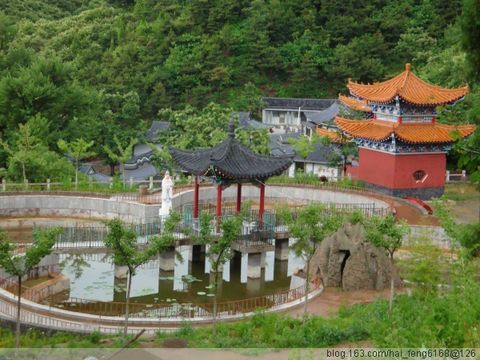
(397, 171)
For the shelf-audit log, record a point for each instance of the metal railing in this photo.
(11, 284)
(158, 310)
(183, 310)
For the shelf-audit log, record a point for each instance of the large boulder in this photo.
(348, 260)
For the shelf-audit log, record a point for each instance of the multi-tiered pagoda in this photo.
(402, 148)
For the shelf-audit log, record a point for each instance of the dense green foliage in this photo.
(192, 128)
(98, 68)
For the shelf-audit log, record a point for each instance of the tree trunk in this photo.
(307, 288)
(122, 170)
(17, 327)
(215, 280)
(112, 169)
(24, 174)
(76, 175)
(129, 285)
(392, 284)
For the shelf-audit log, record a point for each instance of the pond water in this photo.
(92, 277)
(92, 274)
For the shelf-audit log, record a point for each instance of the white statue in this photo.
(167, 194)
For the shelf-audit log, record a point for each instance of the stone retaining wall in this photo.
(134, 212)
(68, 206)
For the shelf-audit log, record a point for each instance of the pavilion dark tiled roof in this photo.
(230, 160)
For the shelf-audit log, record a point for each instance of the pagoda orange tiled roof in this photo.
(414, 133)
(354, 104)
(332, 135)
(409, 87)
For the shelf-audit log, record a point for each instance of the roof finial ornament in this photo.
(231, 130)
(408, 67)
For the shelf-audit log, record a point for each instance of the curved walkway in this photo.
(47, 317)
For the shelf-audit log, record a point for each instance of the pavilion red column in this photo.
(262, 203)
(195, 198)
(219, 205)
(239, 197)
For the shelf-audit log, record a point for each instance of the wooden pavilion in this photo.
(230, 163)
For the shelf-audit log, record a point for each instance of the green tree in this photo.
(248, 98)
(123, 243)
(470, 21)
(26, 147)
(386, 233)
(305, 145)
(192, 128)
(78, 149)
(120, 154)
(219, 247)
(20, 264)
(46, 87)
(425, 267)
(30, 159)
(309, 226)
(465, 235)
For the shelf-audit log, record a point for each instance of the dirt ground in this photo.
(330, 301)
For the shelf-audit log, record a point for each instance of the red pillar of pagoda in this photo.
(239, 197)
(195, 198)
(262, 203)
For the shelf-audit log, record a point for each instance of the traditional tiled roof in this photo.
(245, 121)
(320, 117)
(332, 135)
(294, 103)
(415, 133)
(155, 128)
(409, 87)
(354, 104)
(230, 160)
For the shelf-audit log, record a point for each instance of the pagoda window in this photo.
(420, 176)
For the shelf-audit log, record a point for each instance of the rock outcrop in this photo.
(348, 260)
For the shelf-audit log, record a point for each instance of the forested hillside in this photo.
(95, 68)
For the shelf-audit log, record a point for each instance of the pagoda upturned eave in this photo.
(230, 160)
(408, 87)
(354, 104)
(413, 133)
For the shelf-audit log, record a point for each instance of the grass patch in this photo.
(460, 192)
(272, 331)
(34, 338)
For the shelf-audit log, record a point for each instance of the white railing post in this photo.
(4, 184)
(131, 182)
(464, 175)
(25, 183)
(447, 176)
(111, 183)
(150, 186)
(48, 184)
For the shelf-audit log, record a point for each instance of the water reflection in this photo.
(187, 282)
